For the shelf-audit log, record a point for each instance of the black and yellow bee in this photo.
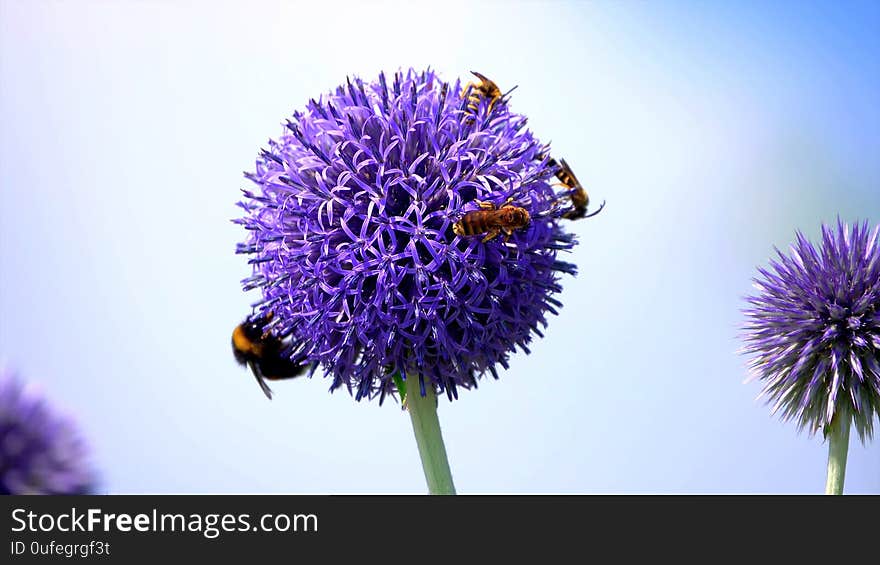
(485, 88)
(265, 354)
(580, 201)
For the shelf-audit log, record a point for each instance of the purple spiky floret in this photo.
(813, 329)
(40, 451)
(351, 239)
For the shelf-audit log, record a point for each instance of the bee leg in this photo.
(258, 374)
(485, 205)
(602, 205)
(493, 233)
(507, 233)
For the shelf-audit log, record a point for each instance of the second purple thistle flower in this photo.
(368, 243)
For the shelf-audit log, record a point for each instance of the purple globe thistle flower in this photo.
(352, 242)
(40, 452)
(814, 330)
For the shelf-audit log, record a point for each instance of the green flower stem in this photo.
(838, 446)
(423, 412)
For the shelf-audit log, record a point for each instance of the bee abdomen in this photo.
(473, 223)
(580, 198)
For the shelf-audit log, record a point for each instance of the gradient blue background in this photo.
(714, 130)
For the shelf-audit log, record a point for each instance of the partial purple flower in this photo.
(351, 235)
(40, 451)
(814, 330)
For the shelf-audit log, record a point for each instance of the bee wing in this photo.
(481, 77)
(261, 380)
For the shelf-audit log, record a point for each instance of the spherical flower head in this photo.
(352, 241)
(814, 330)
(40, 451)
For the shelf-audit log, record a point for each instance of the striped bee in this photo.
(485, 88)
(579, 198)
(265, 354)
(492, 221)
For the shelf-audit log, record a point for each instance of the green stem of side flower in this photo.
(423, 412)
(838, 446)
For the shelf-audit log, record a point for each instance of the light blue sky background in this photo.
(713, 130)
